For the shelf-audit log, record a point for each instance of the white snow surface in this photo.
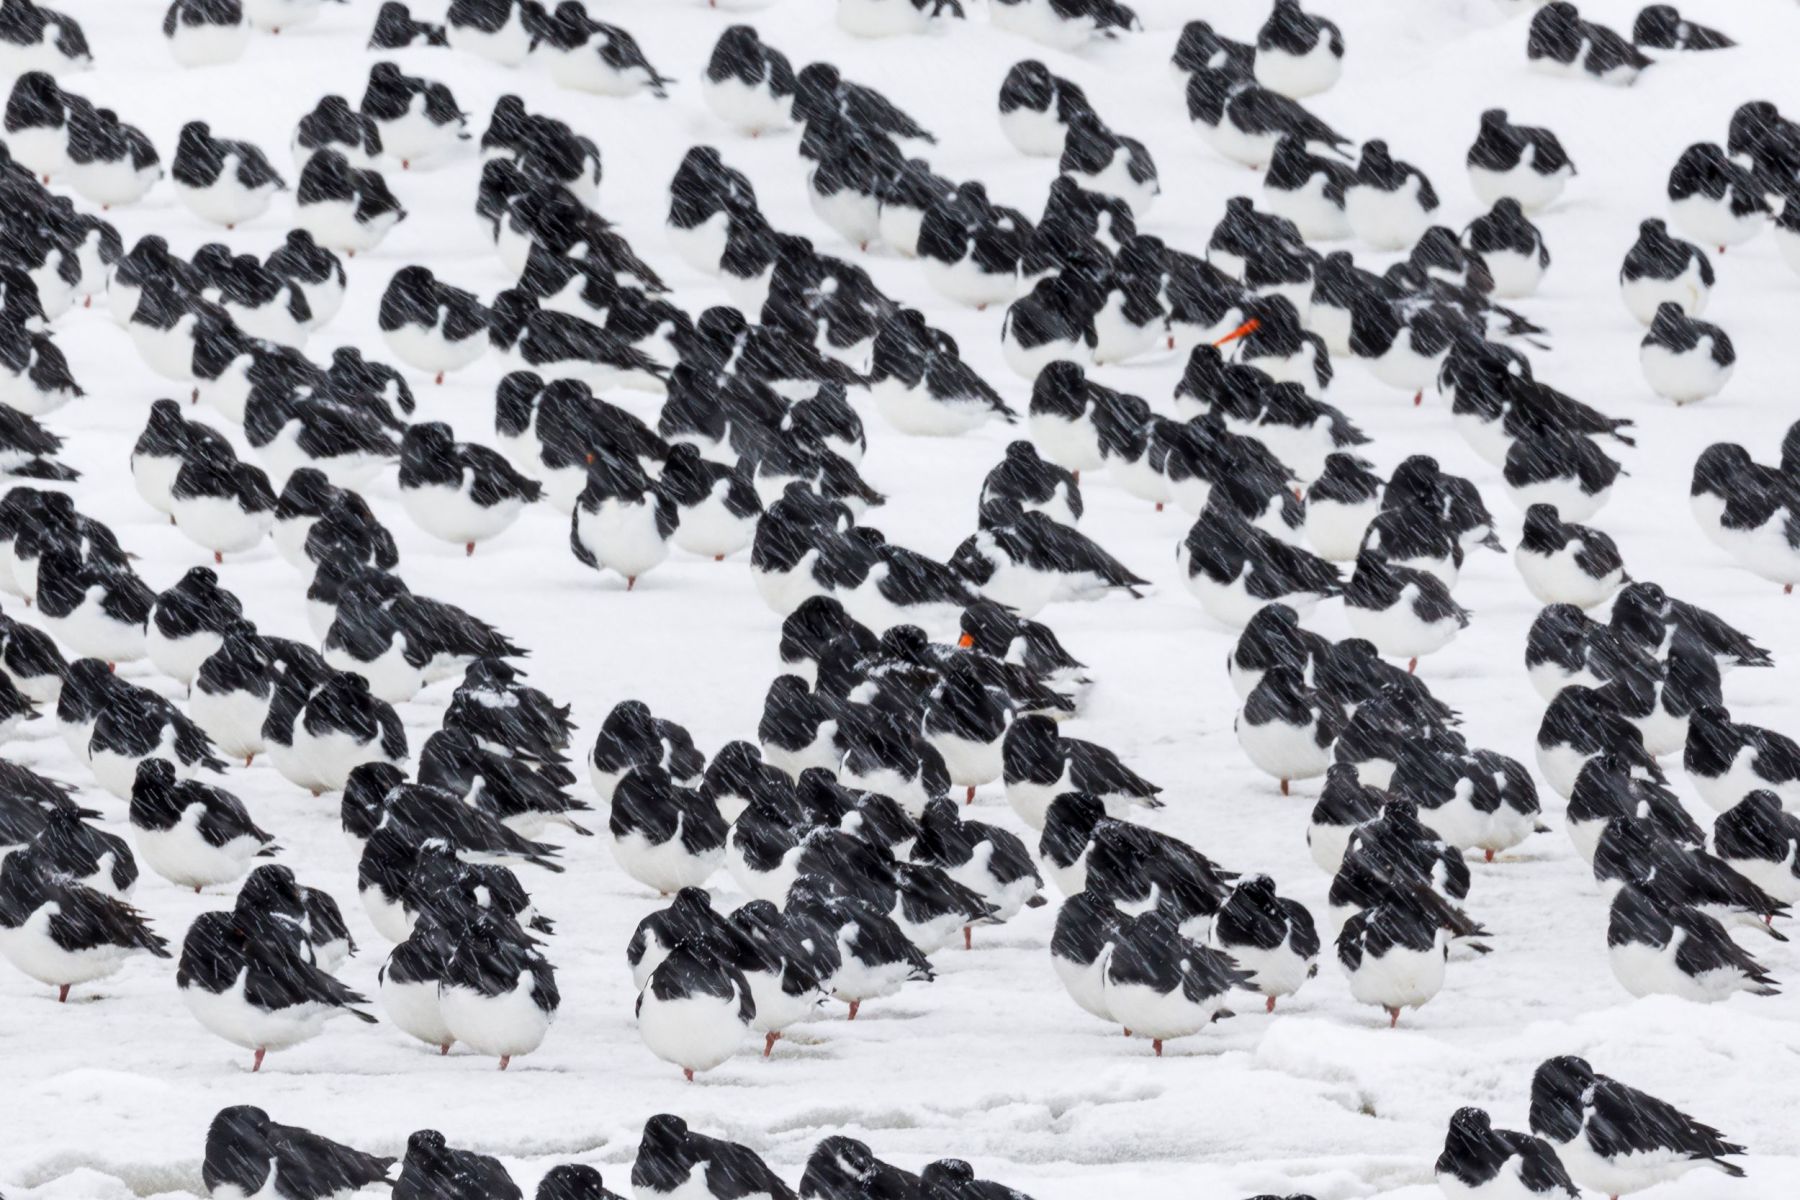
(110, 1095)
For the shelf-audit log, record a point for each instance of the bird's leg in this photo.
(1490, 855)
(970, 798)
(968, 937)
(1271, 1006)
(854, 1005)
(62, 994)
(1284, 787)
(468, 549)
(1159, 505)
(688, 1071)
(504, 1059)
(1156, 1045)
(1412, 667)
(1393, 1017)
(218, 558)
(444, 1049)
(630, 582)
(440, 377)
(718, 558)
(1128, 1033)
(1418, 398)
(769, 1044)
(257, 1064)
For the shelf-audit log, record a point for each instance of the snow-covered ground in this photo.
(110, 1095)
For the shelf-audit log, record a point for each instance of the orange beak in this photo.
(1245, 330)
(965, 641)
(590, 459)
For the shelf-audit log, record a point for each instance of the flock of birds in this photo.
(908, 683)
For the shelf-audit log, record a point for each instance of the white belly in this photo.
(1086, 985)
(880, 18)
(449, 514)
(702, 246)
(1317, 215)
(1644, 296)
(220, 524)
(1283, 751)
(232, 1017)
(227, 202)
(582, 70)
(333, 224)
(1398, 632)
(413, 1009)
(31, 950)
(855, 217)
(1515, 274)
(509, 45)
(208, 45)
(667, 867)
(711, 530)
(696, 1033)
(623, 537)
(109, 183)
(751, 109)
(1038, 134)
(233, 720)
(1149, 1013)
(508, 1024)
(180, 658)
(1532, 190)
(1299, 75)
(1712, 223)
(1386, 220)
(1683, 377)
(1401, 978)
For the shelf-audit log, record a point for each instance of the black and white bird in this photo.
(1758, 839)
(1271, 937)
(334, 125)
(496, 30)
(1479, 1160)
(1391, 203)
(991, 861)
(1039, 764)
(1562, 43)
(246, 1153)
(432, 326)
(498, 994)
(1568, 471)
(222, 181)
(1714, 199)
(1037, 106)
(1728, 761)
(1749, 510)
(253, 984)
(1685, 359)
(1109, 163)
(63, 933)
(459, 492)
(696, 1009)
(434, 1170)
(630, 738)
(1660, 268)
(1234, 568)
(1662, 27)
(1661, 949)
(1394, 952)
(1565, 563)
(1521, 163)
(592, 56)
(748, 84)
(1298, 54)
(1511, 246)
(1067, 24)
(665, 835)
(621, 522)
(1616, 1139)
(34, 38)
(1162, 985)
(673, 1160)
(1245, 121)
(329, 731)
(1406, 612)
(1286, 728)
(1026, 560)
(342, 206)
(166, 443)
(1307, 189)
(418, 119)
(192, 834)
(574, 1181)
